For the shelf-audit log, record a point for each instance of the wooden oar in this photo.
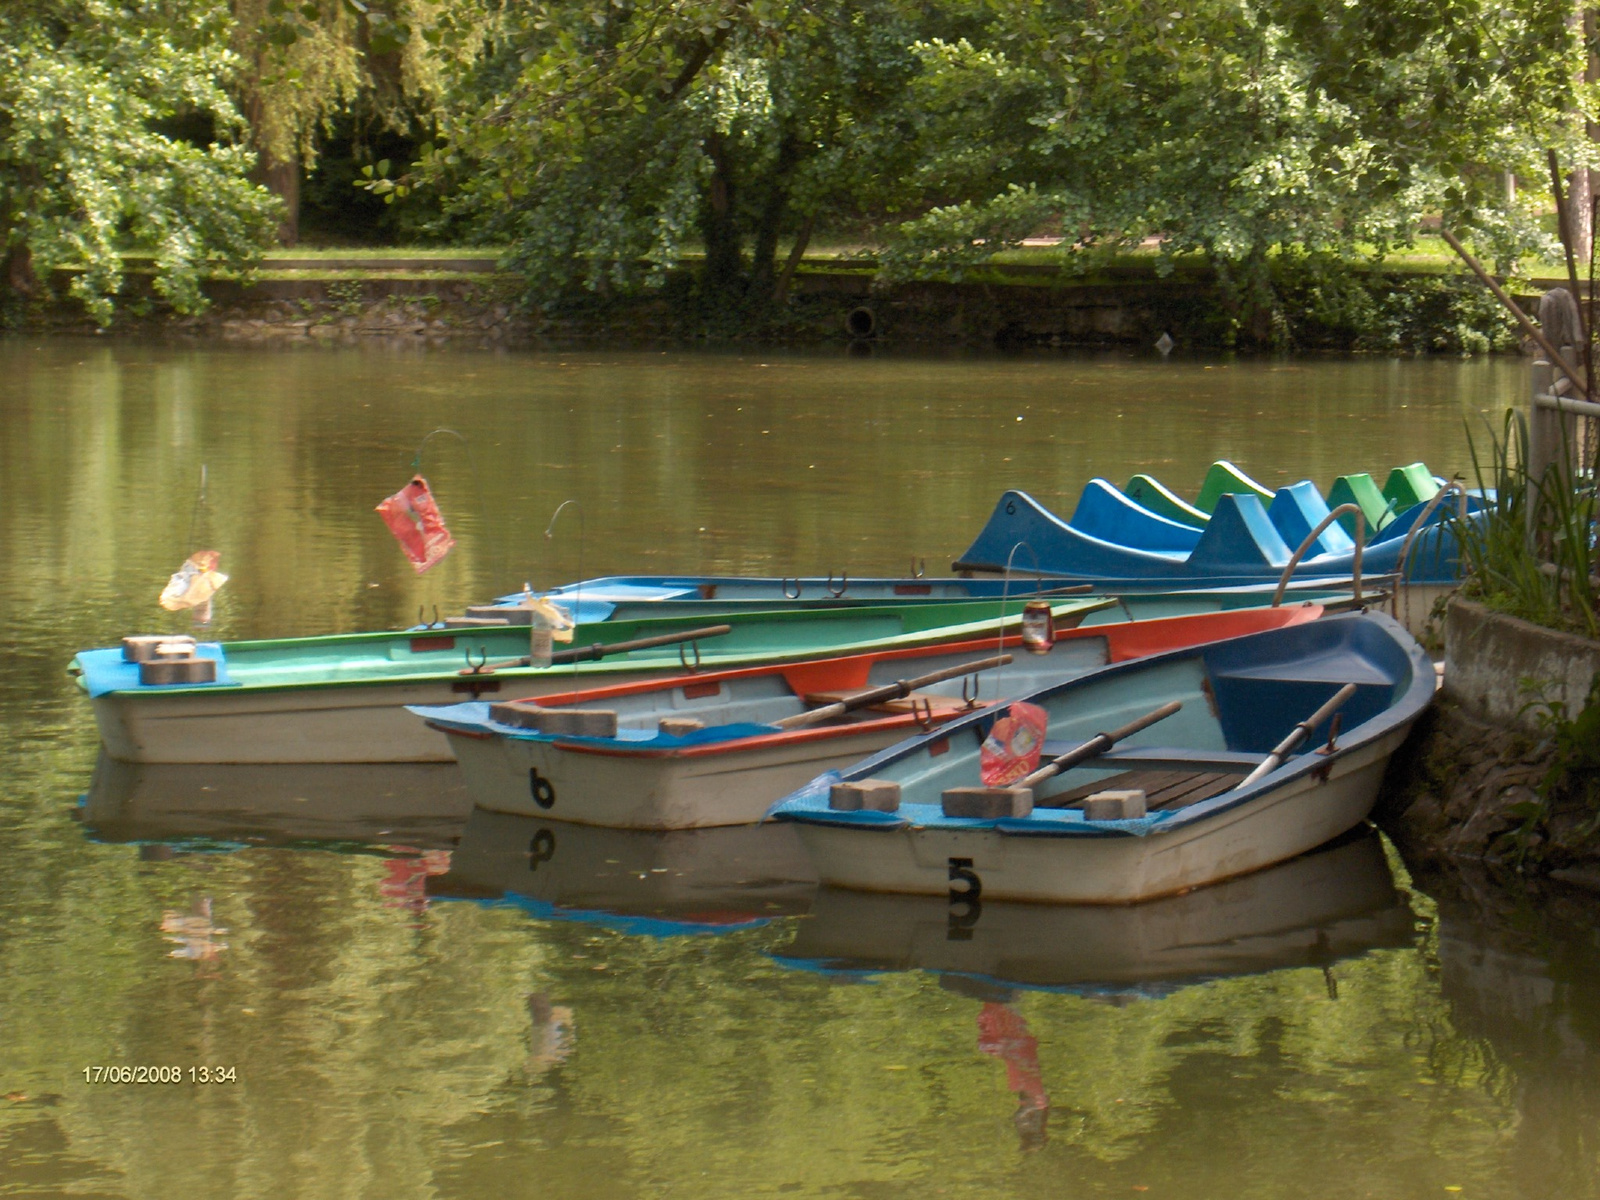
(597, 651)
(1298, 734)
(1098, 744)
(889, 691)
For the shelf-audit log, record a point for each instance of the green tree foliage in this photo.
(85, 169)
(604, 138)
(1237, 129)
(372, 65)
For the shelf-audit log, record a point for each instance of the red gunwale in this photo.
(1124, 641)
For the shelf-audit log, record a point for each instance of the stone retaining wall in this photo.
(1498, 667)
(1476, 781)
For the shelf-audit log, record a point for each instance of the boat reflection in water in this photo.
(634, 881)
(1334, 903)
(419, 805)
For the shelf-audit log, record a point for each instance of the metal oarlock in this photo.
(922, 713)
(1333, 734)
(692, 668)
(784, 584)
(1326, 769)
(844, 584)
(483, 660)
(919, 568)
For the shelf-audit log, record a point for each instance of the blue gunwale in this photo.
(809, 804)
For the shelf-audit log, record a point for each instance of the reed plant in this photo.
(1530, 550)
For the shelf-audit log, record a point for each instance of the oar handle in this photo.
(889, 691)
(598, 651)
(1298, 734)
(1099, 744)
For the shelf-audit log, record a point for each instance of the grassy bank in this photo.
(1035, 295)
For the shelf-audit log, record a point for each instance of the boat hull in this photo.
(1279, 824)
(644, 791)
(360, 724)
(341, 698)
(628, 785)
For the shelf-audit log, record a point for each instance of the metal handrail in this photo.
(1311, 538)
(1403, 583)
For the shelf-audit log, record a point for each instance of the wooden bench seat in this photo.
(1162, 789)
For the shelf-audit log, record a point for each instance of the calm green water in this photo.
(395, 1028)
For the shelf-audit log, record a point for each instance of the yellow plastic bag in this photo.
(194, 584)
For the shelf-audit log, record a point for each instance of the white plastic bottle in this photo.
(540, 637)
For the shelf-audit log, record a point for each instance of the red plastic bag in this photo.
(413, 516)
(1011, 750)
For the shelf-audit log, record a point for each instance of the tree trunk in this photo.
(765, 264)
(1580, 213)
(17, 270)
(798, 252)
(281, 177)
(1580, 189)
(724, 261)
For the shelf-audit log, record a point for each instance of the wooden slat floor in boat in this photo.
(1162, 789)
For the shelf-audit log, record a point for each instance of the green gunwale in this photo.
(386, 656)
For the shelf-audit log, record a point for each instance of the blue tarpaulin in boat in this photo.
(473, 717)
(107, 671)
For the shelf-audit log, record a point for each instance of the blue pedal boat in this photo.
(1210, 792)
(1115, 543)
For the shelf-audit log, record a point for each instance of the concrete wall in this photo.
(1489, 657)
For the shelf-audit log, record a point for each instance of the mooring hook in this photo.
(794, 595)
(844, 584)
(483, 659)
(684, 658)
